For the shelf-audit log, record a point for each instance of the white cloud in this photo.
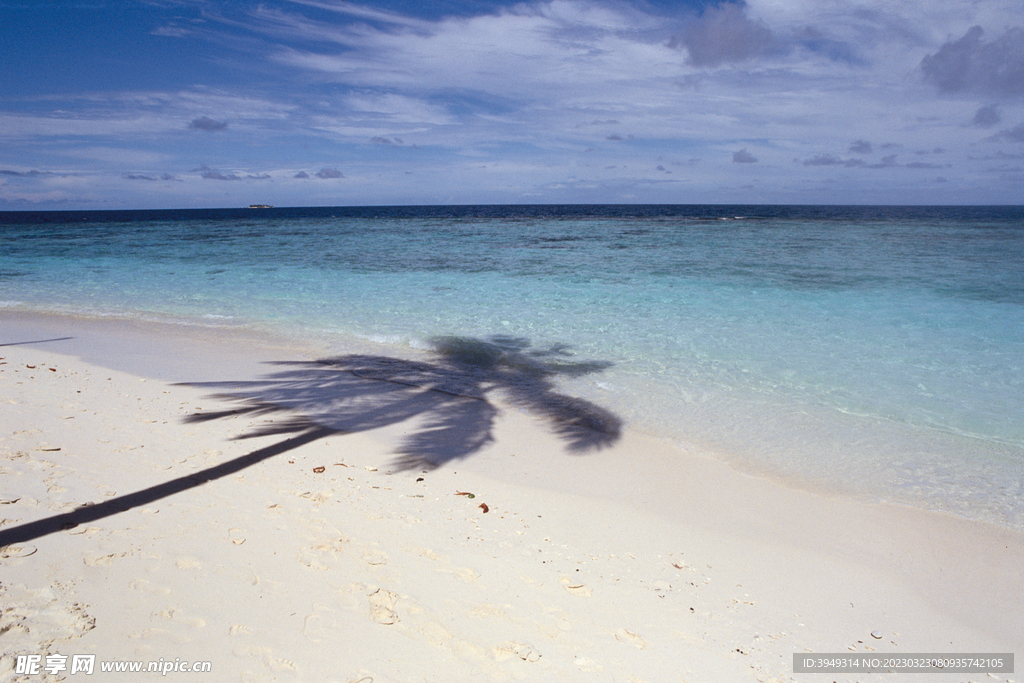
(560, 48)
(396, 109)
(362, 12)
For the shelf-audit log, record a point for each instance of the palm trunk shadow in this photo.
(91, 513)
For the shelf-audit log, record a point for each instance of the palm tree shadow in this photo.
(450, 397)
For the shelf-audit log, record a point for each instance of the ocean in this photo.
(876, 352)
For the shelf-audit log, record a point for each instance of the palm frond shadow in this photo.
(309, 401)
(451, 397)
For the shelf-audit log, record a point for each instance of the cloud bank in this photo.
(972, 65)
(725, 34)
(550, 101)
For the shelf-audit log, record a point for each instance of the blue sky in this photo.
(210, 103)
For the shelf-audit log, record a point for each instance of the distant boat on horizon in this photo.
(260, 206)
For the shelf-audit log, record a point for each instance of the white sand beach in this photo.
(145, 516)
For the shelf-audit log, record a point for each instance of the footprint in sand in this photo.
(250, 577)
(465, 574)
(177, 617)
(313, 628)
(187, 563)
(375, 557)
(523, 651)
(42, 615)
(308, 557)
(429, 554)
(577, 589)
(587, 665)
(17, 551)
(487, 610)
(278, 665)
(265, 654)
(318, 497)
(382, 606)
(439, 635)
(332, 547)
(93, 560)
(630, 638)
(536, 583)
(361, 677)
(351, 598)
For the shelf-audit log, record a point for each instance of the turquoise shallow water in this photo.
(874, 351)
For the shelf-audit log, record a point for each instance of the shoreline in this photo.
(799, 444)
(635, 560)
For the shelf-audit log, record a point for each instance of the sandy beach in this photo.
(208, 498)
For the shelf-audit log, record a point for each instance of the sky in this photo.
(147, 104)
